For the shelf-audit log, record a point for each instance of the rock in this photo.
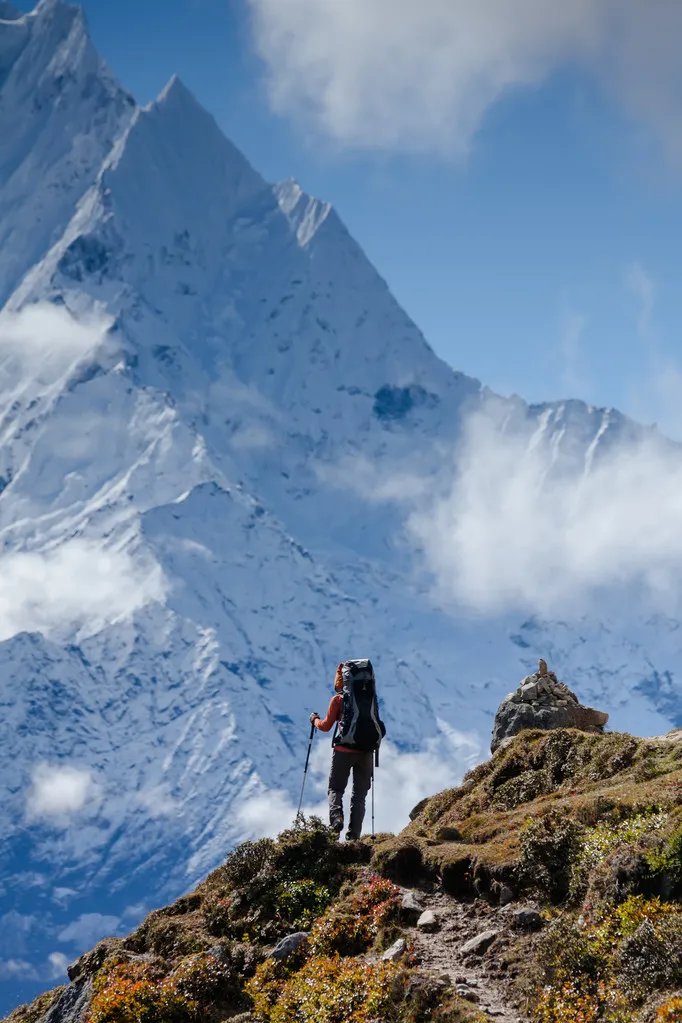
(428, 921)
(287, 946)
(448, 834)
(506, 895)
(72, 1004)
(529, 692)
(480, 944)
(396, 950)
(416, 810)
(410, 907)
(465, 992)
(542, 702)
(526, 919)
(90, 962)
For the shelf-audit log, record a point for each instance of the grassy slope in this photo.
(590, 826)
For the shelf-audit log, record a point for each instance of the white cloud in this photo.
(88, 929)
(62, 895)
(43, 341)
(136, 911)
(17, 969)
(59, 791)
(420, 76)
(57, 964)
(78, 585)
(401, 781)
(156, 801)
(513, 532)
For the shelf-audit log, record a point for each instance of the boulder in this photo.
(480, 944)
(72, 1004)
(505, 895)
(410, 907)
(396, 951)
(287, 946)
(428, 921)
(526, 919)
(543, 702)
(464, 991)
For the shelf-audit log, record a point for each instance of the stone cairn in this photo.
(541, 701)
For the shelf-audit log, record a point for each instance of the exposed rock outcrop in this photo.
(542, 701)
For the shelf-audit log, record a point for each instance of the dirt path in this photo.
(481, 976)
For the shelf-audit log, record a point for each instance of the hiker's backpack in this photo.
(360, 726)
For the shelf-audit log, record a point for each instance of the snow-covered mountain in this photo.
(202, 504)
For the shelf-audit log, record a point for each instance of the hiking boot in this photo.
(351, 836)
(337, 827)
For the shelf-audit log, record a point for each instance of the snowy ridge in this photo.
(185, 479)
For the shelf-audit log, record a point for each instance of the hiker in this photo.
(359, 730)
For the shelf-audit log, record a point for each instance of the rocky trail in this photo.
(466, 942)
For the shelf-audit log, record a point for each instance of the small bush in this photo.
(309, 851)
(608, 857)
(594, 968)
(207, 978)
(666, 863)
(246, 862)
(299, 903)
(290, 882)
(670, 1011)
(139, 993)
(549, 847)
(355, 924)
(331, 990)
(582, 1001)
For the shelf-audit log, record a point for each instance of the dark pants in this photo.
(342, 764)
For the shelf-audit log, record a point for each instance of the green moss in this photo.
(400, 859)
(665, 863)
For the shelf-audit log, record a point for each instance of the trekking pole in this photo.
(305, 769)
(372, 798)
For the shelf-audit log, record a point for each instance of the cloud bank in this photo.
(512, 531)
(43, 341)
(57, 965)
(59, 791)
(393, 74)
(77, 585)
(401, 781)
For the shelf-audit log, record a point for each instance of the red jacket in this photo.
(333, 715)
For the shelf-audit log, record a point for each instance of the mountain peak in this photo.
(175, 90)
(176, 170)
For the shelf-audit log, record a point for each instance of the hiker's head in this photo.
(338, 680)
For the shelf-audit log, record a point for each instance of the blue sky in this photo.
(543, 260)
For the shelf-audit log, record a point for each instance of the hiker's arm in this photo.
(326, 724)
